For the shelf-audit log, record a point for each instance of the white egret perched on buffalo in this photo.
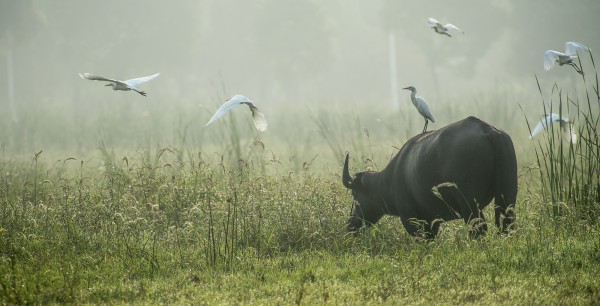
(567, 58)
(442, 28)
(121, 85)
(259, 119)
(552, 118)
(421, 106)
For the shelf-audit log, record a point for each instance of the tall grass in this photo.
(343, 131)
(569, 170)
(225, 222)
(150, 229)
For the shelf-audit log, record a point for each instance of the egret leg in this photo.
(576, 68)
(425, 127)
(441, 32)
(143, 93)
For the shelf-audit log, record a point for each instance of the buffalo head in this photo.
(367, 200)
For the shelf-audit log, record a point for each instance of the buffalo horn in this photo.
(346, 177)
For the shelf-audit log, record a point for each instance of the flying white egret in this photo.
(421, 106)
(121, 85)
(567, 58)
(259, 119)
(552, 118)
(442, 28)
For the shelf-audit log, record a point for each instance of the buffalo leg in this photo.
(504, 217)
(505, 189)
(432, 229)
(477, 223)
(421, 228)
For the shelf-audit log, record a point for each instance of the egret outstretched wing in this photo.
(572, 47)
(544, 123)
(550, 57)
(450, 26)
(137, 81)
(433, 21)
(258, 118)
(229, 104)
(89, 76)
(538, 128)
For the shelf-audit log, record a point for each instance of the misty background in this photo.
(286, 55)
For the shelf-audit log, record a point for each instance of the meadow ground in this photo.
(224, 216)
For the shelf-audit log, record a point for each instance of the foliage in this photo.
(166, 227)
(569, 166)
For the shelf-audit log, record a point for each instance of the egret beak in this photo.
(407, 88)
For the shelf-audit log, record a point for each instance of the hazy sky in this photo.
(280, 52)
(299, 50)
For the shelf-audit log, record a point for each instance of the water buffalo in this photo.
(442, 175)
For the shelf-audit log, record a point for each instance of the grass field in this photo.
(165, 211)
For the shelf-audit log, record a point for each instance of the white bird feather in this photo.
(131, 84)
(443, 28)
(257, 117)
(421, 106)
(550, 119)
(571, 48)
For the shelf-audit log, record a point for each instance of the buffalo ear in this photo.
(349, 181)
(358, 182)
